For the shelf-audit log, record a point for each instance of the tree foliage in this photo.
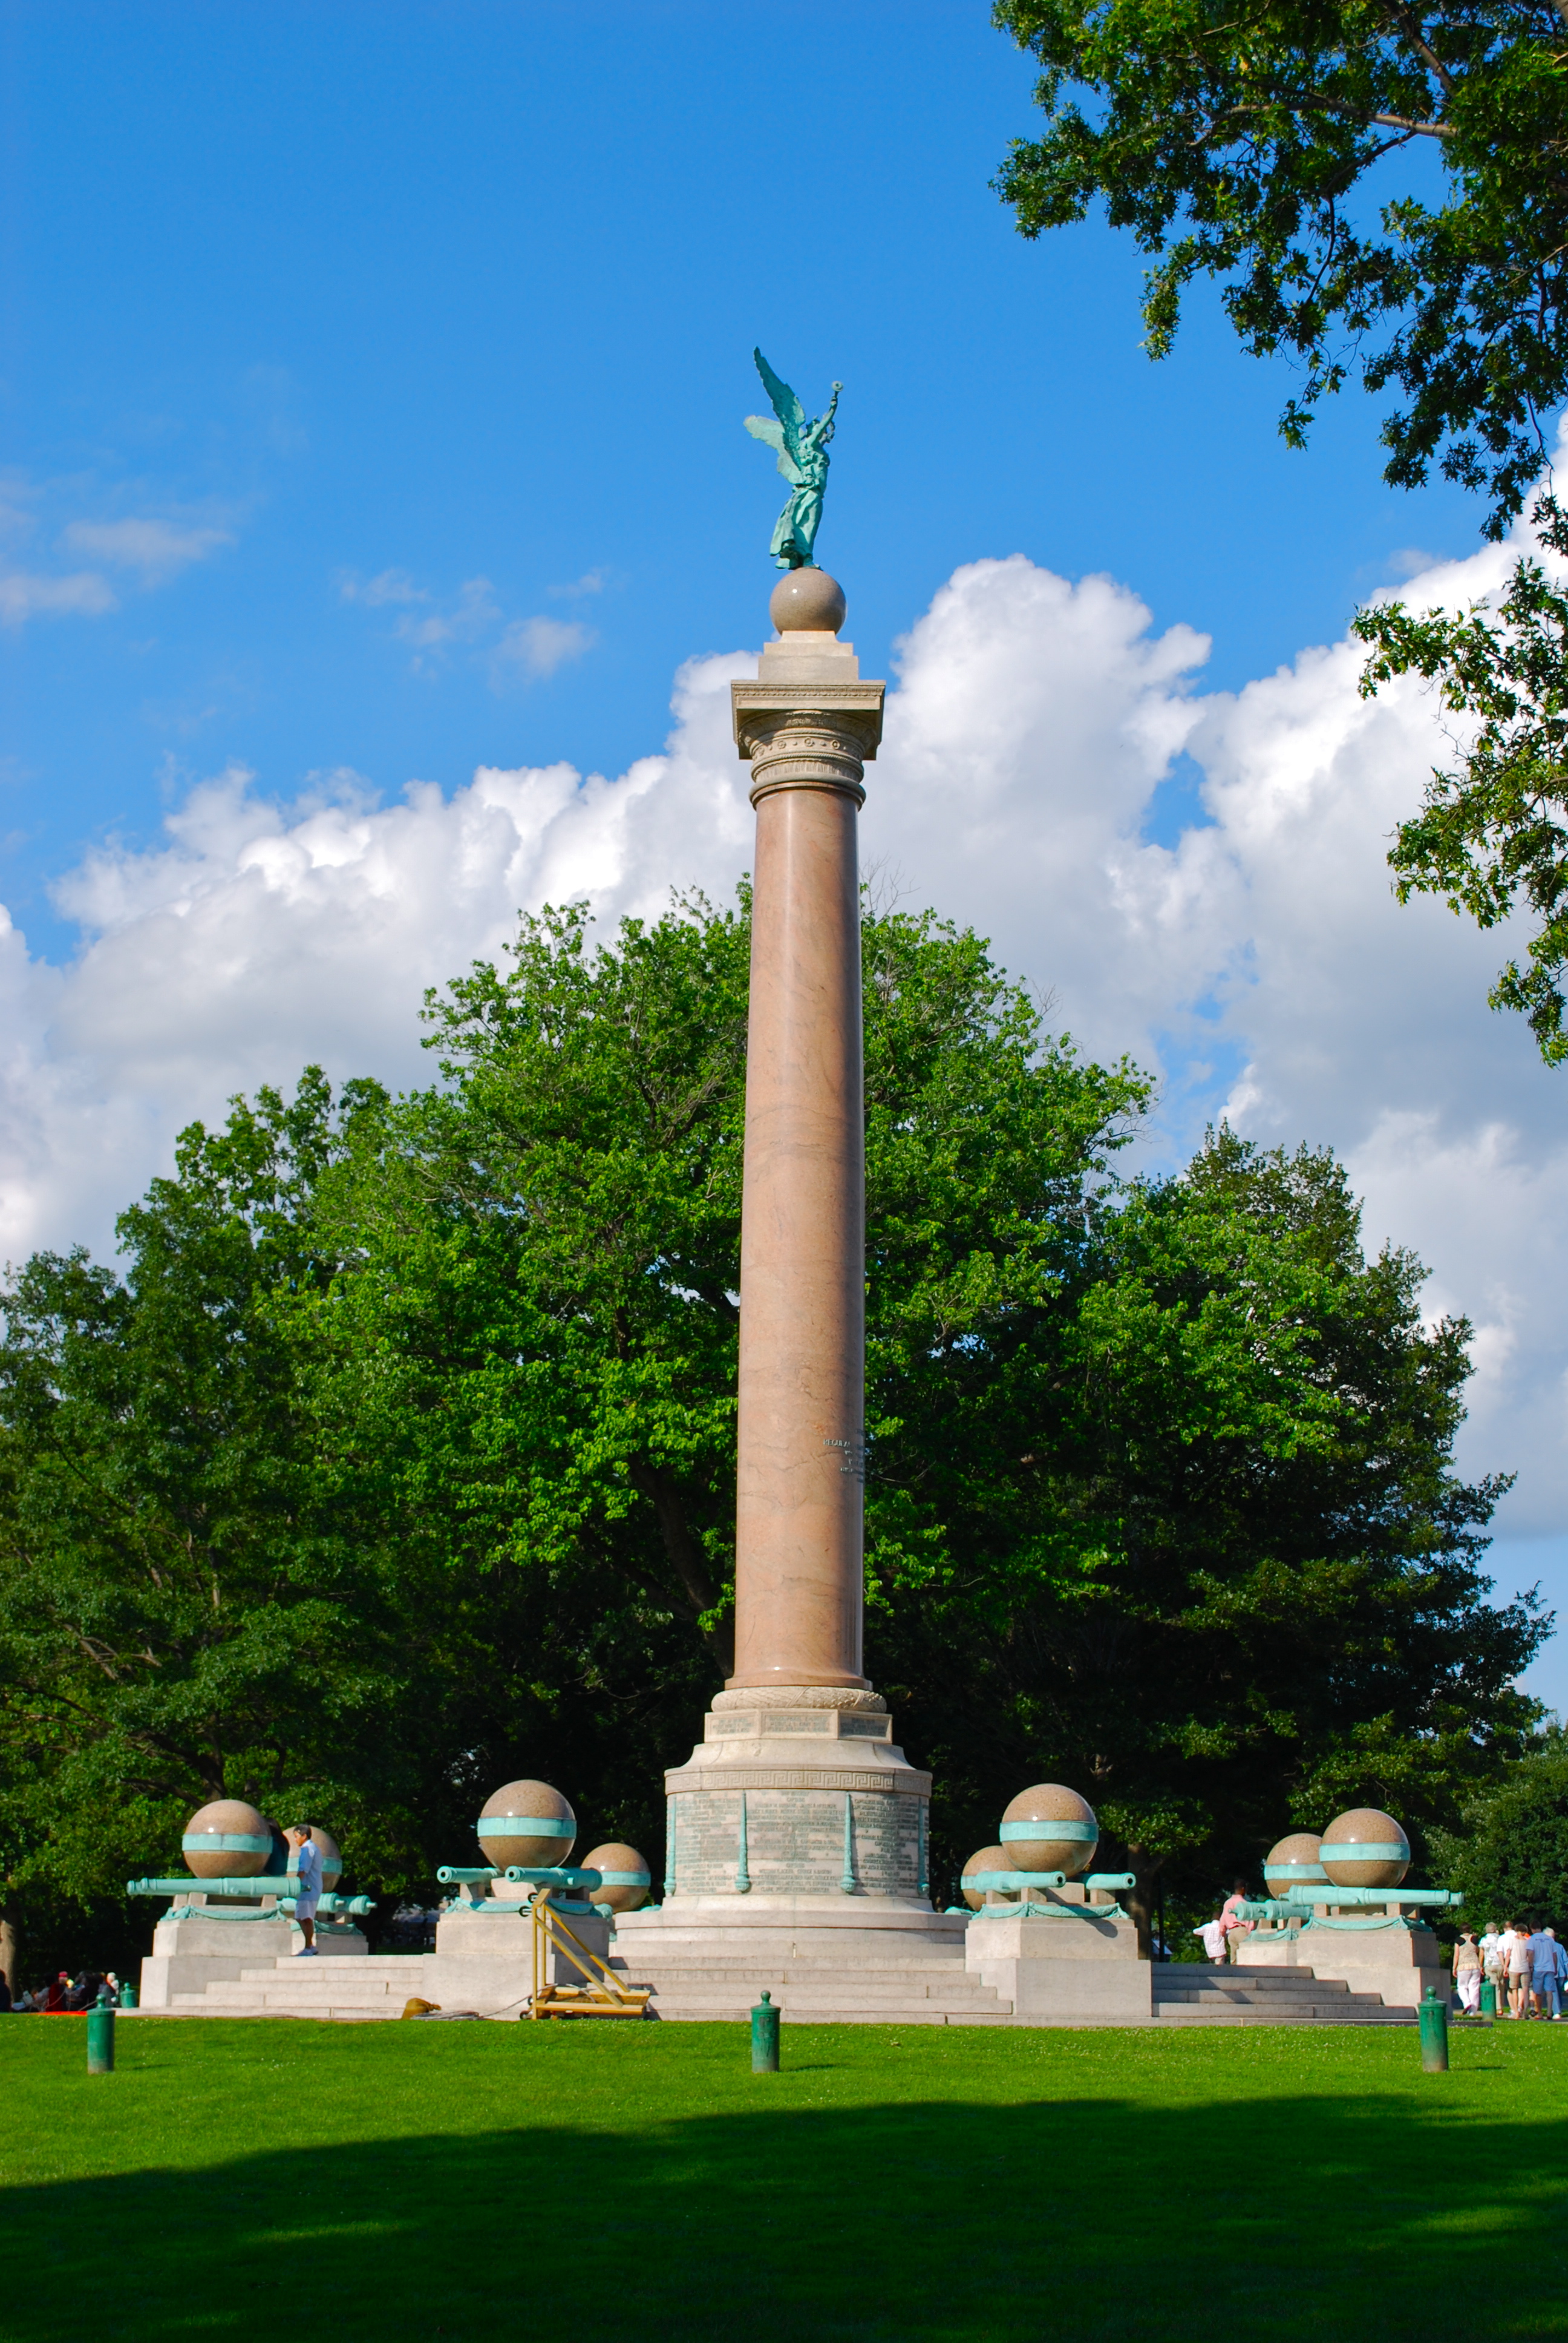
(400, 1461)
(1244, 143)
(1510, 1853)
(1490, 834)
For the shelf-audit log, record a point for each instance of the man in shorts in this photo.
(306, 1865)
(1543, 1973)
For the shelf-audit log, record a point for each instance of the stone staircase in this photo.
(366, 1985)
(1200, 1993)
(921, 1986)
(917, 1987)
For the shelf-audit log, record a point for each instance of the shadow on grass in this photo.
(1311, 2217)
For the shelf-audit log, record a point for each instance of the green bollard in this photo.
(101, 2039)
(765, 2037)
(128, 1995)
(1432, 2018)
(1488, 1998)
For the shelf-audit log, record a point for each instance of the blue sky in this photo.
(372, 379)
(468, 292)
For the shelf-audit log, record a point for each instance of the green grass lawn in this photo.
(235, 2178)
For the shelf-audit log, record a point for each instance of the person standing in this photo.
(1214, 1935)
(1559, 1953)
(1493, 1965)
(307, 1864)
(1237, 1929)
(1543, 1973)
(1519, 1964)
(1467, 1971)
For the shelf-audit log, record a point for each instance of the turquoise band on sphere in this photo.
(523, 1827)
(1361, 1850)
(1293, 1871)
(224, 1843)
(1047, 1827)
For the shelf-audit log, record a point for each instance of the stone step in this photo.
(752, 1979)
(1312, 2014)
(848, 1989)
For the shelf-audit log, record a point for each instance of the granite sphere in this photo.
(627, 1878)
(1049, 1828)
(989, 1859)
(529, 1825)
(1293, 1863)
(229, 1839)
(1365, 1848)
(806, 601)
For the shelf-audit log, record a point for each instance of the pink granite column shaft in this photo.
(799, 1510)
(800, 1486)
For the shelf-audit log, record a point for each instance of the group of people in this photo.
(1527, 1969)
(1224, 1935)
(64, 1992)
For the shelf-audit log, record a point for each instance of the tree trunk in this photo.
(11, 1953)
(688, 1559)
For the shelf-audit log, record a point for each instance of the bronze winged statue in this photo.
(802, 458)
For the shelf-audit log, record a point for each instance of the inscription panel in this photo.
(795, 1842)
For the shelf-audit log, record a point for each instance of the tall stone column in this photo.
(796, 1811)
(807, 725)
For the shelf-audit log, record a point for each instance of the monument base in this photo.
(796, 1793)
(1393, 1960)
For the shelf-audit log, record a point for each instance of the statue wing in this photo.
(763, 427)
(786, 405)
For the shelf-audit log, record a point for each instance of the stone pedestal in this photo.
(216, 1948)
(1073, 1963)
(797, 1812)
(494, 1948)
(1395, 1960)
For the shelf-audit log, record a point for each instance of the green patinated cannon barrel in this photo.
(1300, 1899)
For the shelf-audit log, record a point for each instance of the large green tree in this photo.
(1248, 143)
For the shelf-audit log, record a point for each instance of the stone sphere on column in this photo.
(229, 1839)
(331, 1854)
(989, 1859)
(806, 601)
(1293, 1863)
(1049, 1828)
(625, 1873)
(1365, 1848)
(529, 1825)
